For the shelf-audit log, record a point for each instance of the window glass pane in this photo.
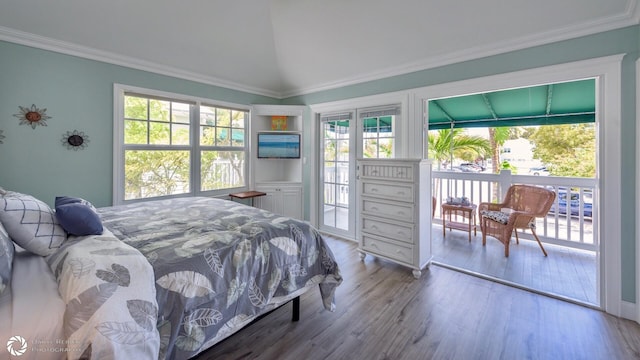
(385, 148)
(370, 148)
(135, 132)
(159, 110)
(151, 173)
(329, 194)
(238, 118)
(159, 133)
(207, 135)
(207, 115)
(329, 171)
(370, 128)
(223, 117)
(329, 130)
(237, 137)
(342, 132)
(222, 169)
(180, 134)
(223, 136)
(330, 150)
(135, 107)
(180, 113)
(343, 150)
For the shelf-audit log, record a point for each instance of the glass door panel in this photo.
(337, 167)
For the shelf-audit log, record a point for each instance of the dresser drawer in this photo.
(403, 172)
(396, 231)
(400, 211)
(381, 247)
(397, 191)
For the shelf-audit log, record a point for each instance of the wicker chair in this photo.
(519, 210)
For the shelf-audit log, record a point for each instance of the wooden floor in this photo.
(384, 313)
(565, 272)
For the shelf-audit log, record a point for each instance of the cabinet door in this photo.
(291, 201)
(268, 202)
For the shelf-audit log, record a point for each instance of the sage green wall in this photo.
(622, 41)
(78, 95)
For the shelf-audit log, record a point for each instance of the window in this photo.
(171, 145)
(379, 131)
(222, 151)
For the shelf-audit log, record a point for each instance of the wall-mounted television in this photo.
(274, 145)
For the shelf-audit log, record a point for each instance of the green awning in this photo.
(560, 103)
(376, 124)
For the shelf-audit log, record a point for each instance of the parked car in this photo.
(574, 203)
(539, 171)
(471, 167)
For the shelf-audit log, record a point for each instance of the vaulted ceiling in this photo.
(282, 48)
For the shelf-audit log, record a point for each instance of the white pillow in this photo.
(6, 259)
(31, 223)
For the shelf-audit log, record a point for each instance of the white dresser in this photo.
(394, 211)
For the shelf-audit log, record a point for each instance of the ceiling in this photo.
(282, 48)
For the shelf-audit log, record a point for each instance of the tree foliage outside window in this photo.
(567, 150)
(160, 155)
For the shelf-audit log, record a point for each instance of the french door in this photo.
(346, 137)
(337, 159)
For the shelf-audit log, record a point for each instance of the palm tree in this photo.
(447, 144)
(497, 137)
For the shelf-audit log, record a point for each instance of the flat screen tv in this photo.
(273, 145)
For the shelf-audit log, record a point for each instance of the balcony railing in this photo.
(571, 221)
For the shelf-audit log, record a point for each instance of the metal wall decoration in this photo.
(1, 136)
(32, 116)
(75, 140)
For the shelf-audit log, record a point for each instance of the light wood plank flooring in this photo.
(565, 272)
(384, 313)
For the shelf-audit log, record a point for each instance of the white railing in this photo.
(571, 221)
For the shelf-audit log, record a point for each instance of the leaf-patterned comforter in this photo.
(108, 290)
(219, 264)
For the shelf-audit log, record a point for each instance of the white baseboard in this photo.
(629, 311)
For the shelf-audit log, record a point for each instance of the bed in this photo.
(164, 279)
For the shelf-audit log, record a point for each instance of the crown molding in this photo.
(630, 17)
(45, 43)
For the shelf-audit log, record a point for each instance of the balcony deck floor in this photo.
(565, 272)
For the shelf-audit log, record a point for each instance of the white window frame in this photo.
(119, 91)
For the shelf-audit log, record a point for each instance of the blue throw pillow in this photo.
(78, 219)
(63, 200)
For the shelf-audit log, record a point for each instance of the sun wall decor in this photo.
(32, 116)
(1, 137)
(75, 140)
